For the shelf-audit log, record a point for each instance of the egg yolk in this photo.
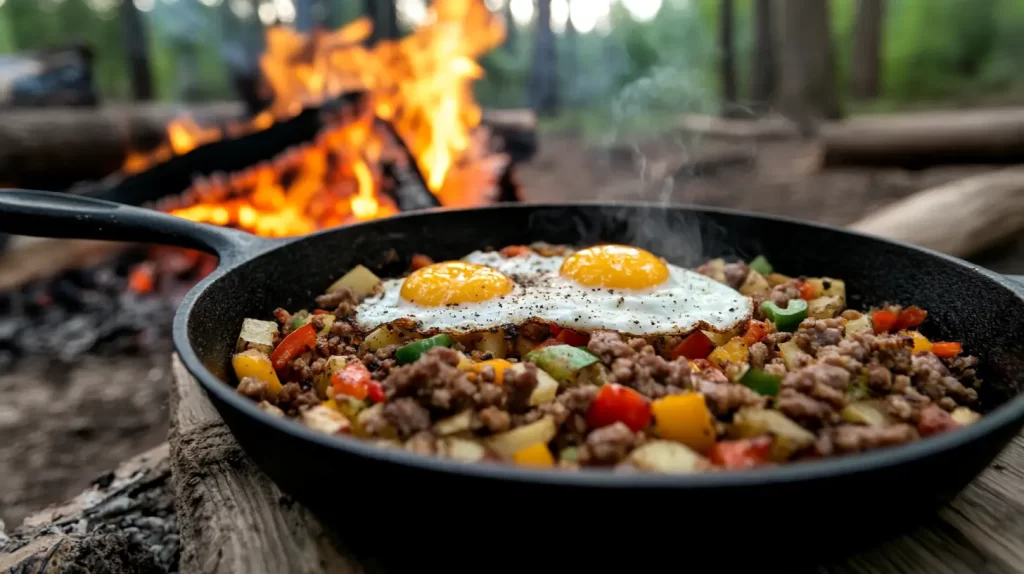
(615, 267)
(454, 282)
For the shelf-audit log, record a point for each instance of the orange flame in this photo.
(421, 84)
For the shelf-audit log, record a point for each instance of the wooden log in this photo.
(231, 515)
(924, 139)
(961, 218)
(30, 258)
(763, 129)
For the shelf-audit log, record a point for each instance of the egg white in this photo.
(684, 302)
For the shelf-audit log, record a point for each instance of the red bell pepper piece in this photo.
(883, 321)
(570, 337)
(745, 453)
(947, 350)
(910, 317)
(376, 392)
(293, 345)
(321, 312)
(616, 403)
(353, 381)
(696, 345)
(419, 261)
(554, 329)
(755, 332)
(807, 291)
(549, 343)
(514, 250)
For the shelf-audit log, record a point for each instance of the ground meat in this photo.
(608, 346)
(307, 398)
(736, 274)
(434, 380)
(722, 396)
(317, 322)
(495, 419)
(891, 351)
(300, 366)
(758, 355)
(805, 409)
(649, 373)
(855, 438)
(343, 329)
(879, 378)
(489, 395)
(255, 389)
(342, 301)
(782, 293)
(317, 366)
(777, 367)
(407, 416)
(535, 331)
(773, 340)
(900, 383)
(805, 380)
(963, 368)
(519, 385)
(608, 445)
(578, 399)
(934, 380)
(287, 396)
(813, 334)
(934, 420)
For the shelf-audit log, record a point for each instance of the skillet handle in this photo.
(50, 214)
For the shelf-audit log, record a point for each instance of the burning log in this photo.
(962, 218)
(925, 139)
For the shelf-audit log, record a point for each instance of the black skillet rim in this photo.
(1005, 414)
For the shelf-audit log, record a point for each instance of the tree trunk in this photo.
(137, 49)
(762, 86)
(727, 57)
(571, 59)
(511, 30)
(867, 50)
(807, 93)
(543, 69)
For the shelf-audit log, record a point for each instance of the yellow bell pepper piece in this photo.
(694, 367)
(921, 343)
(536, 454)
(253, 363)
(465, 363)
(499, 366)
(735, 351)
(684, 418)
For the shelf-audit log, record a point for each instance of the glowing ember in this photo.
(420, 84)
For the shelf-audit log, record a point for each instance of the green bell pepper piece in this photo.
(761, 265)
(787, 319)
(569, 454)
(761, 382)
(562, 362)
(411, 352)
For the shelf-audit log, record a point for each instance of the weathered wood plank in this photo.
(230, 513)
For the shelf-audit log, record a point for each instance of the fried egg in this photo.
(616, 287)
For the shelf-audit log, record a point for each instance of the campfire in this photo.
(417, 88)
(349, 133)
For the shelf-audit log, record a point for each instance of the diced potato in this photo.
(325, 420)
(789, 436)
(524, 345)
(257, 334)
(828, 287)
(964, 416)
(360, 280)
(461, 449)
(328, 320)
(253, 363)
(720, 339)
(385, 442)
(860, 325)
(373, 412)
(322, 380)
(755, 284)
(546, 389)
(348, 406)
(870, 413)
(507, 443)
(735, 351)
(596, 374)
(717, 269)
(493, 343)
(793, 355)
(383, 336)
(666, 456)
(454, 424)
(777, 279)
(271, 409)
(825, 307)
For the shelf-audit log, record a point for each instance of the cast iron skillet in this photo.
(407, 509)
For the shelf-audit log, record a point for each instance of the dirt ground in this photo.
(62, 427)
